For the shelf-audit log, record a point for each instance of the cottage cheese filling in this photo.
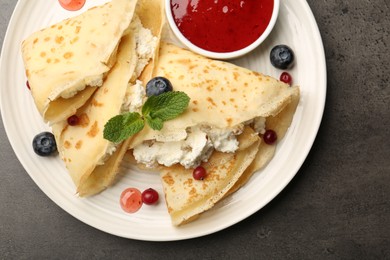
(146, 44)
(197, 147)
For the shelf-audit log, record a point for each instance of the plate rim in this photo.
(7, 41)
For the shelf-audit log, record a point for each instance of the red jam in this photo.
(222, 25)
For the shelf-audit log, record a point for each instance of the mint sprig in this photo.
(155, 111)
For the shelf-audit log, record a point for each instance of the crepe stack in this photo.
(223, 96)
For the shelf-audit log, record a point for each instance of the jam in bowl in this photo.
(222, 29)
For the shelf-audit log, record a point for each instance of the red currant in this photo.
(131, 200)
(286, 78)
(28, 85)
(199, 173)
(73, 120)
(270, 137)
(150, 196)
(72, 5)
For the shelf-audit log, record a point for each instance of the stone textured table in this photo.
(337, 207)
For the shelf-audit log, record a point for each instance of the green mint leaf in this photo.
(166, 106)
(154, 123)
(121, 127)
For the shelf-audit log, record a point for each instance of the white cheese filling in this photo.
(146, 44)
(196, 147)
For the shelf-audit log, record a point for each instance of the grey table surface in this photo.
(337, 206)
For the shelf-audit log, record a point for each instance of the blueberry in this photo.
(282, 57)
(157, 86)
(44, 144)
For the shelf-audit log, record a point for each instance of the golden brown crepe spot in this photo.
(75, 39)
(184, 61)
(210, 88)
(232, 100)
(53, 26)
(193, 66)
(68, 55)
(195, 110)
(93, 45)
(205, 71)
(35, 41)
(181, 77)
(233, 90)
(168, 180)
(170, 209)
(83, 120)
(246, 84)
(105, 90)
(59, 39)
(47, 39)
(59, 27)
(48, 61)
(95, 103)
(43, 54)
(27, 73)
(53, 50)
(77, 30)
(79, 144)
(67, 144)
(192, 194)
(229, 121)
(56, 60)
(188, 182)
(211, 101)
(256, 73)
(195, 102)
(236, 75)
(94, 130)
(224, 102)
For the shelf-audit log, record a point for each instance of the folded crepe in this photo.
(91, 160)
(82, 147)
(73, 56)
(223, 96)
(186, 197)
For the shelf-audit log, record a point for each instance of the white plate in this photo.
(296, 27)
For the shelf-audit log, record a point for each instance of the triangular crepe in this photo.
(222, 95)
(186, 197)
(151, 13)
(65, 58)
(82, 147)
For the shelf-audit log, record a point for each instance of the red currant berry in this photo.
(286, 78)
(150, 196)
(73, 120)
(28, 85)
(131, 200)
(199, 173)
(72, 5)
(270, 137)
